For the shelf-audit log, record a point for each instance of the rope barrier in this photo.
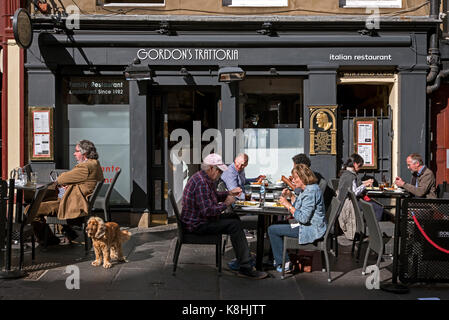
(427, 237)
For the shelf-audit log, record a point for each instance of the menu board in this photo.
(41, 133)
(365, 141)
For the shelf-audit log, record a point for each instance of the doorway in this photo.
(366, 101)
(179, 118)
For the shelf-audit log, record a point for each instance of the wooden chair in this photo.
(185, 237)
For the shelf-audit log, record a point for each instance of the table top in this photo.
(271, 186)
(267, 210)
(388, 193)
(31, 187)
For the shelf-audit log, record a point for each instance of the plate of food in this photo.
(247, 203)
(373, 188)
(256, 183)
(273, 205)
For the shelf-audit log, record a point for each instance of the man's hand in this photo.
(229, 200)
(235, 192)
(399, 182)
(260, 178)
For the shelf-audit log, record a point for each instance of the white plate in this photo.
(251, 208)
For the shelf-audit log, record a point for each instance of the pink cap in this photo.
(215, 160)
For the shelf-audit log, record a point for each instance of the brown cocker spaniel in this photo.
(107, 239)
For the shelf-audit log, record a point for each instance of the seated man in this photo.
(202, 208)
(75, 186)
(423, 183)
(235, 175)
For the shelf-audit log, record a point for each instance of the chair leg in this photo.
(176, 255)
(219, 256)
(366, 260)
(33, 247)
(356, 236)
(225, 242)
(326, 257)
(22, 249)
(86, 239)
(359, 249)
(284, 251)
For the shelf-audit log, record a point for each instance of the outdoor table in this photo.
(7, 273)
(261, 212)
(394, 286)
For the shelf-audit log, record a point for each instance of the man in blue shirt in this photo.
(235, 175)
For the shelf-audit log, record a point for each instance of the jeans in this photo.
(276, 233)
(233, 227)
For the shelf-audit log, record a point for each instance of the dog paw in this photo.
(107, 265)
(96, 263)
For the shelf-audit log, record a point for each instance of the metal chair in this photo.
(334, 184)
(103, 202)
(25, 229)
(185, 237)
(91, 201)
(375, 235)
(322, 245)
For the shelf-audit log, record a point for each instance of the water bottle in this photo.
(262, 194)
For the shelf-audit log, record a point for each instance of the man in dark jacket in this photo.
(423, 180)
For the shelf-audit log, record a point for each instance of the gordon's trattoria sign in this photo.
(186, 54)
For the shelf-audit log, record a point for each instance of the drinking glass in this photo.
(33, 177)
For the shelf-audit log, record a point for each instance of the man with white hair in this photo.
(235, 175)
(423, 183)
(202, 208)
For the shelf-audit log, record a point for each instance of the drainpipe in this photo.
(433, 59)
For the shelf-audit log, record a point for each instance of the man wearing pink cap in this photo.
(202, 207)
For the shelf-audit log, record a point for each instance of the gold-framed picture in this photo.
(40, 139)
(365, 141)
(323, 130)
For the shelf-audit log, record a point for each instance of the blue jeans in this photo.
(276, 233)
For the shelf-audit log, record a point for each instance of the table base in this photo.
(394, 288)
(12, 274)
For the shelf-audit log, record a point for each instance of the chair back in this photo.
(221, 186)
(54, 174)
(171, 197)
(35, 204)
(27, 168)
(334, 184)
(441, 189)
(331, 215)
(323, 185)
(375, 235)
(359, 219)
(111, 186)
(94, 195)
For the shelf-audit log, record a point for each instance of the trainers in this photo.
(234, 264)
(287, 268)
(252, 273)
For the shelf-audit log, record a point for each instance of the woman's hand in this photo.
(368, 183)
(286, 193)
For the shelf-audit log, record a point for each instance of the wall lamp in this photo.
(230, 74)
(136, 72)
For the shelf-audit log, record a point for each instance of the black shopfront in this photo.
(288, 72)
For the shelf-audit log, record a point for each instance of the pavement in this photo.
(148, 275)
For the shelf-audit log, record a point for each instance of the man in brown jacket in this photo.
(423, 183)
(77, 185)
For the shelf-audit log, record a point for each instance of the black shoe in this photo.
(69, 233)
(252, 273)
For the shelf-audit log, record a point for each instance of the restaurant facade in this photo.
(156, 93)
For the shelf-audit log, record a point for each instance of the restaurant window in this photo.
(132, 3)
(271, 115)
(255, 3)
(98, 110)
(371, 3)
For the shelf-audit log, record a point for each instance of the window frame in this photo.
(254, 3)
(371, 3)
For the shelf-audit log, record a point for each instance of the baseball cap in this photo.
(215, 160)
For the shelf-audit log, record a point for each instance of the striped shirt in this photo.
(201, 202)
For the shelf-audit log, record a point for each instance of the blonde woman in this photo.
(308, 211)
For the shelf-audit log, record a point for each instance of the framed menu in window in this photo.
(40, 142)
(365, 141)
